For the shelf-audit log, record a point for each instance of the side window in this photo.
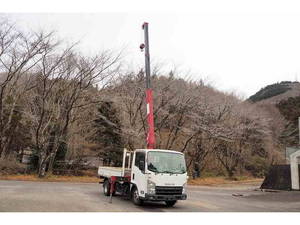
(139, 156)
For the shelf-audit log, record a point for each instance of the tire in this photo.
(135, 197)
(106, 188)
(171, 203)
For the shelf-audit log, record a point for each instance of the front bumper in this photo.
(149, 197)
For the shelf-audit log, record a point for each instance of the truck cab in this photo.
(158, 175)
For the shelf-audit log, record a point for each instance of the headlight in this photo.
(151, 187)
(184, 188)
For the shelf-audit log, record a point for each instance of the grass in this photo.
(50, 178)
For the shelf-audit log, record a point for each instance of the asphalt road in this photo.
(20, 196)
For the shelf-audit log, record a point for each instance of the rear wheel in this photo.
(171, 203)
(106, 188)
(135, 197)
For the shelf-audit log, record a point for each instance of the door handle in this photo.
(133, 176)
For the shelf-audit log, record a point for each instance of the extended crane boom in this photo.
(149, 98)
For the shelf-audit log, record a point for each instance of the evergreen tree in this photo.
(108, 134)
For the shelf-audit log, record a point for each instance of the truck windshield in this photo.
(166, 162)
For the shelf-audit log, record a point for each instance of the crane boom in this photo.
(149, 98)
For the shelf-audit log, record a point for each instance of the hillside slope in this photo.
(281, 102)
(274, 93)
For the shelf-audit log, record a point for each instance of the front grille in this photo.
(168, 190)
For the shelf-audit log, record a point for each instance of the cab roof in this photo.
(158, 150)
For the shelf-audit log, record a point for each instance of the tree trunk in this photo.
(51, 162)
(42, 167)
(6, 147)
(50, 165)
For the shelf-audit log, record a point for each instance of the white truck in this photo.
(151, 175)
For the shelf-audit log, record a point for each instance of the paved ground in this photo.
(16, 196)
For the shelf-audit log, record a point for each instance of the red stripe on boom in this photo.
(150, 119)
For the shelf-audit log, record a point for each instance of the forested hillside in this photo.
(272, 90)
(290, 110)
(276, 92)
(62, 105)
(282, 103)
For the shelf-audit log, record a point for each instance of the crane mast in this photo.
(149, 98)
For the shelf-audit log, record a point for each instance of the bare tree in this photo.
(19, 54)
(63, 84)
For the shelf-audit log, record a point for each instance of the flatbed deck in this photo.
(105, 171)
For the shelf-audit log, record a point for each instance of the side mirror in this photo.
(142, 165)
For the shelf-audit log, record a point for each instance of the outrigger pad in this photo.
(278, 178)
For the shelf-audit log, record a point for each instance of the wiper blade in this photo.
(166, 171)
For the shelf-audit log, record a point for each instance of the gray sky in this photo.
(241, 52)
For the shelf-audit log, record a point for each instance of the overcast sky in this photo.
(241, 52)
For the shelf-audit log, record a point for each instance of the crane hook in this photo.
(142, 46)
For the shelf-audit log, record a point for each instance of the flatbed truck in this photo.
(151, 175)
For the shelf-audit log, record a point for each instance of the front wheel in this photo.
(171, 203)
(135, 197)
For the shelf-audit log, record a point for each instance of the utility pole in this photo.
(149, 98)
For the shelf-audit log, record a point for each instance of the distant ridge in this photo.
(277, 89)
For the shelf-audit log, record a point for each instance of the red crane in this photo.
(149, 98)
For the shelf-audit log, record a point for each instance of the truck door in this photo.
(138, 176)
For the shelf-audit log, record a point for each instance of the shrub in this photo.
(257, 166)
(11, 166)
